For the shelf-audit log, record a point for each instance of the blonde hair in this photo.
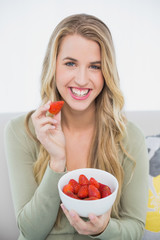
(110, 127)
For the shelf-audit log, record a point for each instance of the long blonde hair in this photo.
(110, 127)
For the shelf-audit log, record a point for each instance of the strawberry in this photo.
(76, 186)
(101, 186)
(93, 192)
(83, 191)
(55, 107)
(83, 180)
(68, 187)
(94, 182)
(71, 194)
(91, 198)
(106, 191)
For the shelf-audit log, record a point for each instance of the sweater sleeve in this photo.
(36, 207)
(134, 197)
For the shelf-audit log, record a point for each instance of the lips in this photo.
(80, 93)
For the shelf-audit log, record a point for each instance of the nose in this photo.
(81, 78)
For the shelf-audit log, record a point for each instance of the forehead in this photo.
(78, 45)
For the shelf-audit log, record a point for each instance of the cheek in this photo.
(63, 76)
(60, 77)
(100, 83)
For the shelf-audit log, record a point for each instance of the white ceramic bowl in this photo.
(83, 207)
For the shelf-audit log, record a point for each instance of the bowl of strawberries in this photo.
(88, 190)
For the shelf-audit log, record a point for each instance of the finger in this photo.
(94, 219)
(47, 120)
(81, 226)
(78, 223)
(57, 117)
(96, 224)
(42, 134)
(66, 212)
(100, 222)
(46, 128)
(71, 215)
(41, 122)
(41, 111)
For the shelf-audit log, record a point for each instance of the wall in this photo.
(25, 28)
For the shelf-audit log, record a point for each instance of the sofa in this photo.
(148, 121)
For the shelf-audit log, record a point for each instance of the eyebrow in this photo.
(75, 60)
(69, 58)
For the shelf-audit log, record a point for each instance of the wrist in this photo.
(57, 166)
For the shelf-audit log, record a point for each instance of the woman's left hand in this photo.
(94, 226)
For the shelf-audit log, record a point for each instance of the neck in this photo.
(76, 121)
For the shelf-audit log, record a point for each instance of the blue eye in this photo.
(95, 67)
(70, 64)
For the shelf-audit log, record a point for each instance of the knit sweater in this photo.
(36, 206)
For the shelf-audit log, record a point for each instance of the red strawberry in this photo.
(93, 191)
(101, 186)
(68, 187)
(83, 180)
(76, 186)
(83, 191)
(94, 182)
(91, 198)
(106, 191)
(55, 107)
(71, 194)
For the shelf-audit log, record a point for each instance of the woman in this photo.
(90, 131)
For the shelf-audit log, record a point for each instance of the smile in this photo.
(80, 93)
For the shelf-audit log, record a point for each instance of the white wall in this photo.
(25, 28)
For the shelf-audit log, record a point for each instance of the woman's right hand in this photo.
(49, 132)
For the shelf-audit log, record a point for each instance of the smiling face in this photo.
(79, 77)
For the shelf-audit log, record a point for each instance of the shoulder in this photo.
(17, 125)
(16, 122)
(133, 139)
(16, 132)
(133, 133)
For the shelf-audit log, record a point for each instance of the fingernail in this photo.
(47, 105)
(54, 120)
(91, 217)
(62, 206)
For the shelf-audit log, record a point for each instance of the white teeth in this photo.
(79, 93)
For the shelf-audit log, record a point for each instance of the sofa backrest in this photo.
(8, 227)
(148, 121)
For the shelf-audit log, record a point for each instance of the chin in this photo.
(81, 107)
